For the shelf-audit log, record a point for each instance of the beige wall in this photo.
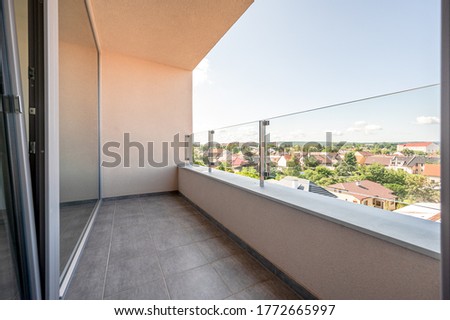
(78, 96)
(152, 102)
(330, 260)
(21, 15)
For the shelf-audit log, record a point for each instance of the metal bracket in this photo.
(32, 147)
(10, 104)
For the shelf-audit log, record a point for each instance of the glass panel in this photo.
(381, 152)
(200, 148)
(79, 176)
(235, 149)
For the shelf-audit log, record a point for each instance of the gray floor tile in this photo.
(202, 283)
(165, 240)
(218, 248)
(240, 272)
(121, 250)
(154, 290)
(204, 232)
(129, 233)
(164, 224)
(181, 258)
(90, 288)
(130, 220)
(130, 273)
(272, 289)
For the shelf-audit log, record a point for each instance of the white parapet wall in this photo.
(351, 258)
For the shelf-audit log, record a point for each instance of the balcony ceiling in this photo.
(178, 33)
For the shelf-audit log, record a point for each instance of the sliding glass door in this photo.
(78, 134)
(19, 270)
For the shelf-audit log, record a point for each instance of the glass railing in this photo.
(232, 149)
(382, 152)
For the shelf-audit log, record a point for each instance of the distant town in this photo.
(399, 177)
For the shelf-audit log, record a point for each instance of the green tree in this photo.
(408, 152)
(310, 162)
(348, 166)
(419, 189)
(249, 172)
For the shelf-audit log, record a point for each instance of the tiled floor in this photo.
(160, 247)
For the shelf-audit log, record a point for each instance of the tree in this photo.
(249, 172)
(310, 162)
(348, 166)
(408, 152)
(419, 189)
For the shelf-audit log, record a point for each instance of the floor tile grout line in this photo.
(109, 251)
(158, 259)
(221, 277)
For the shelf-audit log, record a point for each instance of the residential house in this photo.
(410, 164)
(361, 156)
(427, 147)
(379, 159)
(283, 160)
(433, 172)
(365, 192)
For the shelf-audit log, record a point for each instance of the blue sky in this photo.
(286, 56)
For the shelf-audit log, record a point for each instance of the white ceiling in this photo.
(173, 32)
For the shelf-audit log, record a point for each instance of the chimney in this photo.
(358, 183)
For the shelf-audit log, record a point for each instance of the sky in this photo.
(287, 56)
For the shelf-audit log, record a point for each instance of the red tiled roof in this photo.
(383, 160)
(364, 189)
(364, 153)
(432, 170)
(417, 144)
(436, 217)
(237, 161)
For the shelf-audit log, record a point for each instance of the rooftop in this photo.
(364, 189)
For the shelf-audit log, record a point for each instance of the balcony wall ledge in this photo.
(421, 236)
(330, 248)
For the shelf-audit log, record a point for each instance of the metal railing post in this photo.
(189, 152)
(262, 151)
(210, 147)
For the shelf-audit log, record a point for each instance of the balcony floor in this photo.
(160, 247)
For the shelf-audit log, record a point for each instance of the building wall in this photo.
(330, 260)
(152, 102)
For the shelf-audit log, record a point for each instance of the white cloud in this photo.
(200, 73)
(360, 123)
(372, 127)
(427, 120)
(363, 126)
(294, 135)
(336, 133)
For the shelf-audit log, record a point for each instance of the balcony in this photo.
(137, 206)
